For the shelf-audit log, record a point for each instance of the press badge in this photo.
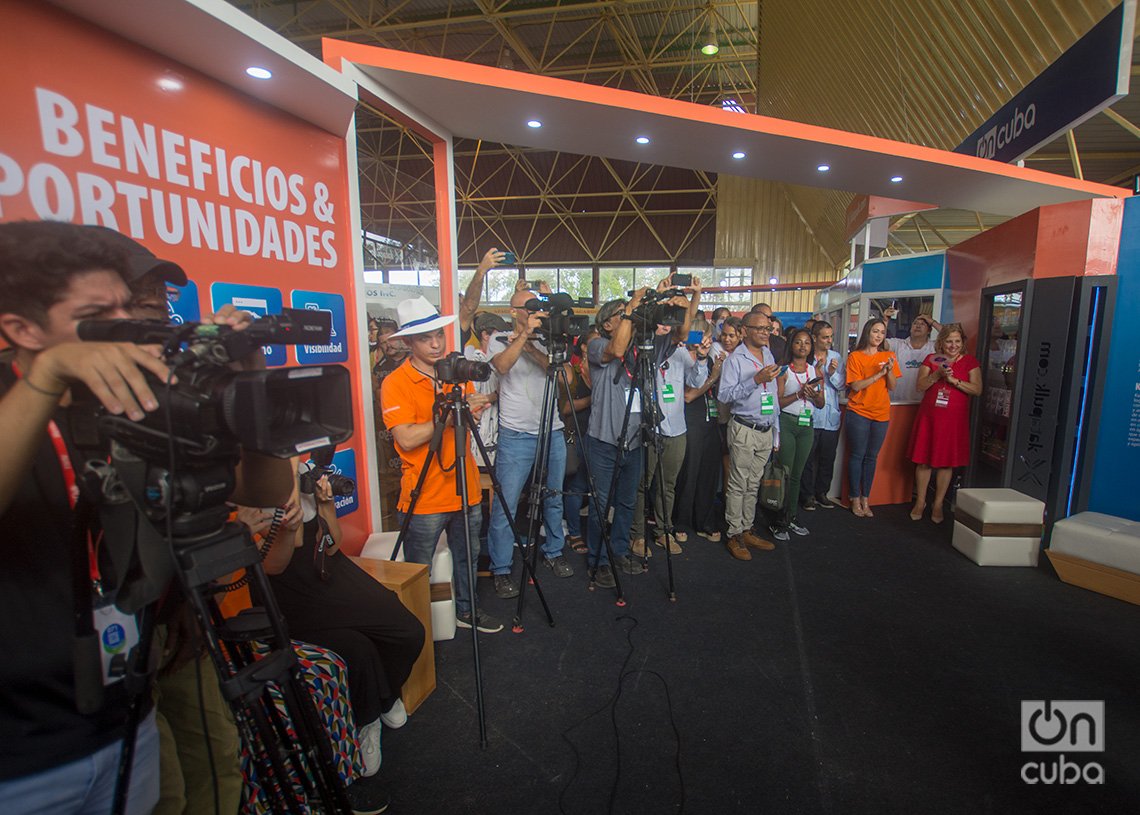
(767, 404)
(118, 634)
(636, 400)
(805, 417)
(711, 409)
(667, 395)
(942, 398)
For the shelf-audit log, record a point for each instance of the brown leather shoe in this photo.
(674, 547)
(637, 547)
(737, 549)
(750, 538)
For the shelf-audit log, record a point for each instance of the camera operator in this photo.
(521, 366)
(672, 362)
(613, 368)
(408, 398)
(53, 275)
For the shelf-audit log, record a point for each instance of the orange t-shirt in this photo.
(408, 397)
(874, 401)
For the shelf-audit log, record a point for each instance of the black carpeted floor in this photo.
(866, 668)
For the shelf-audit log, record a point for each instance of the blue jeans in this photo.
(87, 786)
(603, 460)
(514, 461)
(864, 437)
(423, 535)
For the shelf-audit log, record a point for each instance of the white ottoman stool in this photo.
(380, 545)
(998, 527)
(1098, 552)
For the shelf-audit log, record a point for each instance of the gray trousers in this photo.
(748, 453)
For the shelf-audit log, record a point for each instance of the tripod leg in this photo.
(461, 420)
(497, 490)
(433, 451)
(664, 522)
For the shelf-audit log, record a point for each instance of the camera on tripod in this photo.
(655, 309)
(454, 369)
(322, 466)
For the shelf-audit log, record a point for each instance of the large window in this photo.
(725, 276)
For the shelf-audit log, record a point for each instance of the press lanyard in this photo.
(801, 384)
(70, 482)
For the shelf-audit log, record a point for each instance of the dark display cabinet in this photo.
(1042, 349)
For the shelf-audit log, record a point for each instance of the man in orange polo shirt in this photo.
(408, 400)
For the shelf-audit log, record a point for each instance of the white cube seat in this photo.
(1099, 538)
(998, 527)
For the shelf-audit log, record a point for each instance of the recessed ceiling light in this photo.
(895, 179)
(710, 49)
(823, 168)
(773, 280)
(257, 72)
(738, 154)
(642, 140)
(535, 123)
(169, 83)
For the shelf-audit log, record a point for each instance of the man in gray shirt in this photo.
(521, 365)
(670, 368)
(747, 383)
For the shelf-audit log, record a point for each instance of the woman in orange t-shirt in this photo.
(871, 375)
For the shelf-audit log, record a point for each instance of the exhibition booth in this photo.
(251, 185)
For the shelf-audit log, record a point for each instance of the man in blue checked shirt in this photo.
(748, 385)
(816, 480)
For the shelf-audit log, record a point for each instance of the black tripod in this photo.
(538, 491)
(645, 381)
(291, 752)
(451, 408)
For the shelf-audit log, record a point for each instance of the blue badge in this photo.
(336, 350)
(182, 303)
(258, 301)
(114, 638)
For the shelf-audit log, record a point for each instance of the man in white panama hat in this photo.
(408, 400)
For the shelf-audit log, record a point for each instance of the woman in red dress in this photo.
(940, 440)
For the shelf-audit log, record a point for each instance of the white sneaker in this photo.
(397, 717)
(799, 530)
(369, 738)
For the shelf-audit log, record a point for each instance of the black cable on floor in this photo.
(612, 704)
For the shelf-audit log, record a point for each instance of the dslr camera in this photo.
(322, 466)
(455, 369)
(655, 309)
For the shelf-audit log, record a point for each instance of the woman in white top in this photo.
(801, 394)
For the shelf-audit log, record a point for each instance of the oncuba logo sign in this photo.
(1058, 727)
(998, 137)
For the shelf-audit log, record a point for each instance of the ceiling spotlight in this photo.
(169, 83)
(642, 140)
(710, 48)
(535, 123)
(895, 179)
(257, 72)
(738, 155)
(773, 281)
(823, 168)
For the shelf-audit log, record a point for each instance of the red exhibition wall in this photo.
(253, 203)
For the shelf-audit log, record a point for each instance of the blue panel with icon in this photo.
(336, 350)
(182, 303)
(258, 301)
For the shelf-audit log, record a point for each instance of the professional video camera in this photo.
(212, 409)
(321, 466)
(655, 309)
(455, 368)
